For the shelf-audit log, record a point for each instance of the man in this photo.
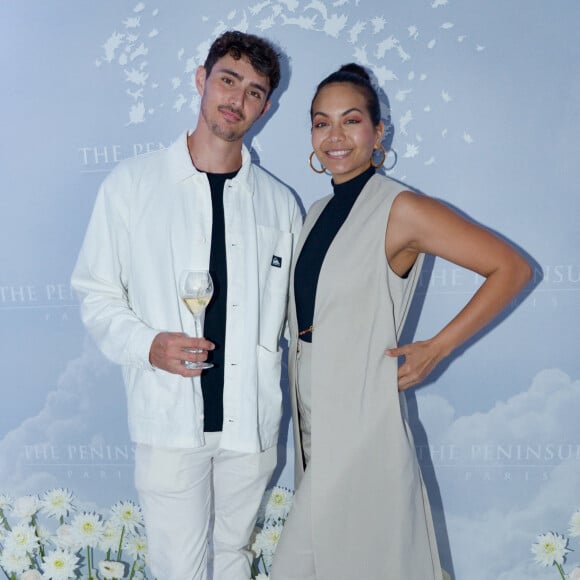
(203, 443)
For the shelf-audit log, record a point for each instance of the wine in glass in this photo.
(196, 290)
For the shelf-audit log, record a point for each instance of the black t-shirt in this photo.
(212, 380)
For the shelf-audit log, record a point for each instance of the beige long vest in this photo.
(371, 518)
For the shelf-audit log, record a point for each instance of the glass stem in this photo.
(198, 328)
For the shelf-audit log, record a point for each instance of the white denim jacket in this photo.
(152, 219)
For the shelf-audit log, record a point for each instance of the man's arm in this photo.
(100, 279)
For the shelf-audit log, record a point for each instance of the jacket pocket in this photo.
(275, 257)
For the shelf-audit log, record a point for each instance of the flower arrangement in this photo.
(271, 519)
(550, 549)
(77, 544)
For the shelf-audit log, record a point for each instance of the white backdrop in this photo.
(484, 100)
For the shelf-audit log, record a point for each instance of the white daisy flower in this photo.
(5, 502)
(140, 564)
(26, 506)
(574, 526)
(279, 502)
(550, 549)
(267, 540)
(43, 534)
(111, 537)
(109, 569)
(67, 538)
(128, 514)
(88, 528)
(60, 565)
(271, 533)
(22, 538)
(57, 503)
(256, 547)
(14, 561)
(136, 545)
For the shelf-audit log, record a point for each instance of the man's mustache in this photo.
(237, 112)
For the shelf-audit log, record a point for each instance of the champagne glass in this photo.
(196, 290)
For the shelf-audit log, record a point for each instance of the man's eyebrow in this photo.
(238, 76)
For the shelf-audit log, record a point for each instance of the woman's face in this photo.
(343, 135)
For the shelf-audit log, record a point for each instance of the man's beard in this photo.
(227, 134)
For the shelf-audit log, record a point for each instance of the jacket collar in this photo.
(182, 168)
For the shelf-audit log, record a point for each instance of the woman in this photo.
(361, 509)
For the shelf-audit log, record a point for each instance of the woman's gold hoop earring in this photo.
(380, 163)
(384, 158)
(314, 168)
(395, 159)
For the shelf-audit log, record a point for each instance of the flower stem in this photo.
(89, 562)
(120, 550)
(560, 570)
(5, 521)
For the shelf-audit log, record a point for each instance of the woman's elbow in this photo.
(522, 271)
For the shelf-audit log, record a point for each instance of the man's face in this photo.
(233, 97)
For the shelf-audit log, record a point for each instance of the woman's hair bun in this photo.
(355, 69)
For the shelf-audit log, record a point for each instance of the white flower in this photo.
(14, 561)
(574, 528)
(57, 503)
(67, 538)
(128, 514)
(575, 574)
(110, 569)
(111, 537)
(279, 502)
(31, 575)
(139, 564)
(26, 506)
(136, 545)
(43, 534)
(88, 528)
(22, 539)
(267, 540)
(5, 502)
(271, 534)
(550, 548)
(60, 565)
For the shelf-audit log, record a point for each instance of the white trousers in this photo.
(179, 491)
